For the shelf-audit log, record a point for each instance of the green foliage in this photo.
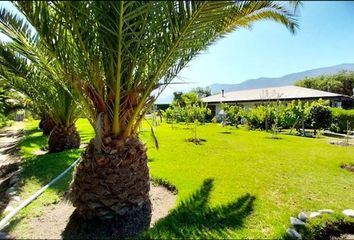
(342, 83)
(3, 120)
(342, 119)
(233, 113)
(320, 115)
(261, 117)
(202, 92)
(187, 107)
(291, 114)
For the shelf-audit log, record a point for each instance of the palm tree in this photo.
(123, 55)
(47, 96)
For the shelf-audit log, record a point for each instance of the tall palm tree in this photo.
(123, 55)
(47, 96)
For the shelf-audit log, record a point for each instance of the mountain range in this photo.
(289, 79)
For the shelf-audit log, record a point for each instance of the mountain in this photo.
(289, 79)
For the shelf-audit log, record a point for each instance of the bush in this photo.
(320, 115)
(260, 116)
(340, 119)
(233, 113)
(3, 120)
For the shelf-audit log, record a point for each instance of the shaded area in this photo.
(9, 163)
(225, 132)
(6, 172)
(130, 224)
(194, 218)
(44, 168)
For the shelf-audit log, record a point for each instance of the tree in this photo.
(120, 53)
(342, 83)
(48, 97)
(202, 92)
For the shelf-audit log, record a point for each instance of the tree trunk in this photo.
(110, 190)
(46, 124)
(63, 138)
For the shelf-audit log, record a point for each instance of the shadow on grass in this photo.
(194, 218)
(226, 132)
(43, 168)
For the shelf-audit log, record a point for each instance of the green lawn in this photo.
(237, 184)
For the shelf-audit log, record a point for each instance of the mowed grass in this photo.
(237, 184)
(284, 176)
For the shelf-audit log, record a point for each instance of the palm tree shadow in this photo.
(194, 218)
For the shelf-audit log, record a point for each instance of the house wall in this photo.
(248, 105)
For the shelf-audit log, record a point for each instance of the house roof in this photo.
(271, 93)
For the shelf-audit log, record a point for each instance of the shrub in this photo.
(233, 113)
(320, 115)
(261, 117)
(340, 119)
(3, 120)
(291, 115)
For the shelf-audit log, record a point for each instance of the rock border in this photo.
(303, 218)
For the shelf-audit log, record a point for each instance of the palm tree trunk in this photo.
(63, 138)
(110, 190)
(46, 124)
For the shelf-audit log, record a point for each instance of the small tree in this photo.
(320, 115)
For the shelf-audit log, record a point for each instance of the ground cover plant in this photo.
(237, 185)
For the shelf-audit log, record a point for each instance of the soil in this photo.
(349, 167)
(56, 217)
(196, 141)
(342, 143)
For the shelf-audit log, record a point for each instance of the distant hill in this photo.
(289, 79)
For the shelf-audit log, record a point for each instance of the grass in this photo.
(242, 184)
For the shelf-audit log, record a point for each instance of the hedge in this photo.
(340, 119)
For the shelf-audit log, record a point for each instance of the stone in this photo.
(296, 222)
(348, 212)
(328, 211)
(314, 214)
(293, 233)
(302, 216)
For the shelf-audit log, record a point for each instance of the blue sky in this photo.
(325, 38)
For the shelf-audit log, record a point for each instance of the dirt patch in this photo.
(196, 141)
(55, 218)
(349, 167)
(342, 143)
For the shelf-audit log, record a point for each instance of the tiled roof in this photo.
(271, 93)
